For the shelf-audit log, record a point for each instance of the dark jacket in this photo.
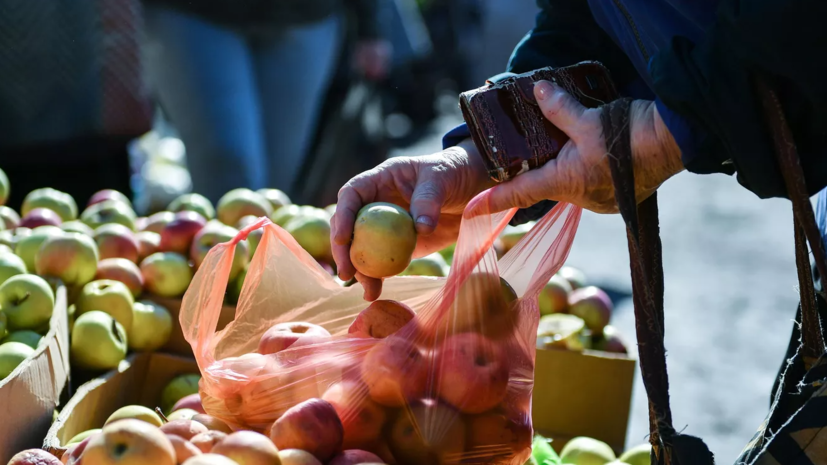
(696, 59)
(273, 14)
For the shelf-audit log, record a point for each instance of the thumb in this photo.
(426, 203)
(523, 191)
(558, 106)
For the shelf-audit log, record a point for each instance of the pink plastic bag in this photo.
(452, 386)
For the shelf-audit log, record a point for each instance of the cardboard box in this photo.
(138, 380)
(29, 396)
(582, 394)
(177, 344)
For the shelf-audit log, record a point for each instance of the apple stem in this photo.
(23, 299)
(161, 414)
(115, 330)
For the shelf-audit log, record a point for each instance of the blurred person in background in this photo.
(243, 82)
(71, 95)
(689, 67)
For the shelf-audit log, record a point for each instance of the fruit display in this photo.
(586, 451)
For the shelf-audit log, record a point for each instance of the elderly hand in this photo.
(580, 174)
(434, 188)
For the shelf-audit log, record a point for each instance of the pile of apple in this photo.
(586, 451)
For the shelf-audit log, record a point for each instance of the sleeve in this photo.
(710, 85)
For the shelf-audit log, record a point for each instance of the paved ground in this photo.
(730, 298)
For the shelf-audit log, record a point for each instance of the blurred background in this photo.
(159, 98)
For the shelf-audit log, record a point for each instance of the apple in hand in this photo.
(108, 296)
(592, 305)
(26, 247)
(395, 371)
(40, 217)
(239, 203)
(59, 202)
(312, 425)
(429, 432)
(129, 442)
(27, 300)
(108, 194)
(148, 243)
(156, 222)
(151, 327)
(282, 335)
(122, 270)
(362, 418)
(473, 373)
(116, 241)
(210, 236)
(195, 203)
(10, 265)
(178, 234)
(248, 448)
(381, 319)
(34, 457)
(98, 341)
(10, 218)
(70, 257)
(109, 211)
(554, 298)
(166, 274)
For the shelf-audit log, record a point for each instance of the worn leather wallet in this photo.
(509, 128)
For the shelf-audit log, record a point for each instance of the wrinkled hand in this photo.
(434, 188)
(372, 58)
(580, 174)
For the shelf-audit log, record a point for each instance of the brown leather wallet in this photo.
(509, 128)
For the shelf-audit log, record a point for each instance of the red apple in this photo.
(148, 243)
(395, 371)
(283, 335)
(312, 426)
(473, 373)
(71, 257)
(212, 423)
(186, 429)
(494, 429)
(248, 448)
(156, 222)
(610, 341)
(108, 194)
(75, 451)
(10, 217)
(354, 457)
(123, 270)
(206, 441)
(554, 298)
(361, 417)
(178, 234)
(192, 401)
(429, 432)
(183, 448)
(34, 457)
(592, 305)
(381, 319)
(215, 233)
(484, 303)
(40, 217)
(166, 274)
(116, 241)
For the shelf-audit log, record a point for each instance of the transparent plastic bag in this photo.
(453, 385)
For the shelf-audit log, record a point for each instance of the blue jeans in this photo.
(245, 105)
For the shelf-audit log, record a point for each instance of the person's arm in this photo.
(709, 84)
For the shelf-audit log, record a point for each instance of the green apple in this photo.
(215, 233)
(98, 341)
(575, 277)
(638, 455)
(448, 253)
(83, 435)
(429, 265)
(241, 202)
(285, 214)
(109, 211)
(5, 187)
(166, 274)
(10, 265)
(27, 247)
(59, 202)
(180, 387)
(193, 202)
(138, 412)
(10, 217)
(512, 234)
(586, 451)
(108, 296)
(276, 198)
(12, 354)
(27, 300)
(554, 298)
(70, 257)
(312, 231)
(151, 327)
(78, 227)
(108, 194)
(24, 336)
